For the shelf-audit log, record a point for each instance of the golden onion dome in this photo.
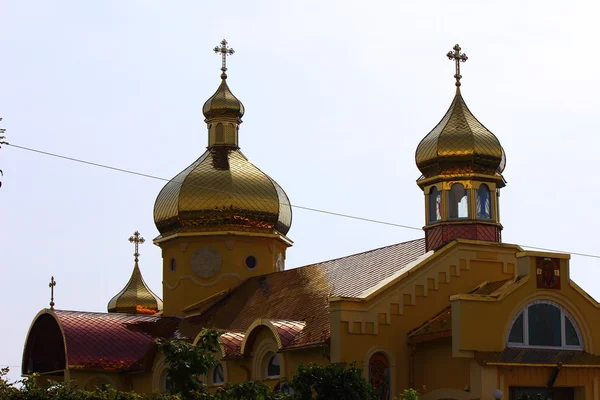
(222, 190)
(460, 144)
(223, 103)
(136, 297)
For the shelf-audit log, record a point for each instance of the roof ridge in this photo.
(114, 314)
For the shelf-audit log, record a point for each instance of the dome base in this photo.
(442, 234)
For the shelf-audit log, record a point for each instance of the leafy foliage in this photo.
(410, 394)
(331, 382)
(187, 362)
(250, 390)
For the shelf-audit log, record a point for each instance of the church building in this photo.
(457, 314)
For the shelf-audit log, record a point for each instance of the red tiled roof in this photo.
(288, 330)
(232, 342)
(302, 294)
(111, 340)
(433, 328)
(295, 301)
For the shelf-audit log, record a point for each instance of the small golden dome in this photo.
(222, 190)
(136, 297)
(459, 145)
(223, 104)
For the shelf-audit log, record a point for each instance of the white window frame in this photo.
(269, 358)
(564, 314)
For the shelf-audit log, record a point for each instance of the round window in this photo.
(251, 262)
(173, 264)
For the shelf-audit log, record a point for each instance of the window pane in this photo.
(273, 367)
(218, 375)
(544, 325)
(484, 210)
(435, 205)
(571, 335)
(516, 333)
(458, 206)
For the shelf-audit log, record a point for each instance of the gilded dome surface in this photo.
(460, 144)
(223, 103)
(136, 297)
(222, 190)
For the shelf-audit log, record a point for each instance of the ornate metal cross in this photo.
(457, 57)
(51, 286)
(225, 51)
(137, 239)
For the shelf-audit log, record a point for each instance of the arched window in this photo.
(544, 324)
(379, 375)
(435, 205)
(273, 367)
(220, 133)
(218, 375)
(165, 380)
(230, 133)
(458, 204)
(484, 202)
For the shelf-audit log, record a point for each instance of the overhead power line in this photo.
(354, 217)
(211, 189)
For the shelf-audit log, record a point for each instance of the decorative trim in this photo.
(159, 375)
(261, 322)
(199, 283)
(282, 238)
(62, 332)
(259, 360)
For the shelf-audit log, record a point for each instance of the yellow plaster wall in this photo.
(82, 379)
(141, 382)
(182, 288)
(434, 367)
(484, 325)
(409, 302)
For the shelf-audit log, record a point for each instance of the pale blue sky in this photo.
(338, 95)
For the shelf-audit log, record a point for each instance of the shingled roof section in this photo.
(440, 325)
(112, 341)
(302, 294)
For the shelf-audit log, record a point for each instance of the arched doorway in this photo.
(379, 375)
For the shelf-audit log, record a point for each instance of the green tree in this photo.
(250, 390)
(331, 382)
(188, 362)
(410, 394)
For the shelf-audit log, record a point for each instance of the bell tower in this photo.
(221, 220)
(461, 163)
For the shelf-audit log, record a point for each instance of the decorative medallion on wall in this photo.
(206, 262)
(548, 273)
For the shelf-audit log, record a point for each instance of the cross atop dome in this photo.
(457, 56)
(225, 51)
